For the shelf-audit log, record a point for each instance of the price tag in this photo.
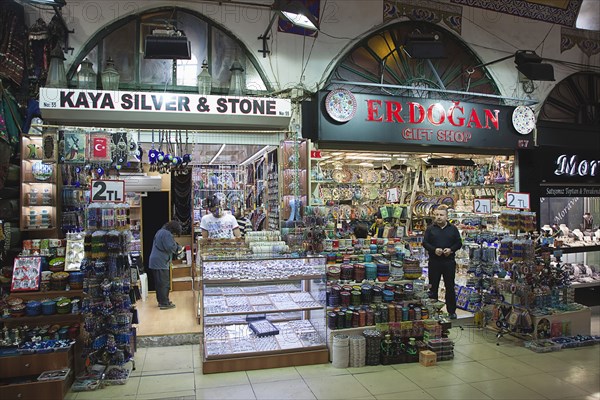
(107, 191)
(517, 200)
(482, 206)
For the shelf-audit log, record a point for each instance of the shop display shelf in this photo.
(41, 320)
(577, 249)
(51, 294)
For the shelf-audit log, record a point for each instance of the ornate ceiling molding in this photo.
(430, 11)
(587, 41)
(565, 15)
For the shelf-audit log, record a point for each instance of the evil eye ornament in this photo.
(152, 155)
(100, 171)
(187, 158)
(169, 157)
(118, 167)
(160, 157)
(176, 160)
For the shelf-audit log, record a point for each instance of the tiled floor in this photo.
(480, 370)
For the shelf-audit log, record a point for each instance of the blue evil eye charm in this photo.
(100, 171)
(187, 158)
(160, 157)
(78, 169)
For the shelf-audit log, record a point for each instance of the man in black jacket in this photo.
(441, 241)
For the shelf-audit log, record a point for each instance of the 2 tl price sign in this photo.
(482, 206)
(517, 200)
(107, 191)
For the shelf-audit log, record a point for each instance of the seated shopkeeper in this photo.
(217, 224)
(379, 229)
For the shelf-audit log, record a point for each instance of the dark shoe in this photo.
(167, 306)
(453, 316)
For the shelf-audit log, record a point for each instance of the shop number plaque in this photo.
(482, 206)
(107, 191)
(517, 200)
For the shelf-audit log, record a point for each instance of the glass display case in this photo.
(262, 312)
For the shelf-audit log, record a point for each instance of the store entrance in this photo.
(155, 214)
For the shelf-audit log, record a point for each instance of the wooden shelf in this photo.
(51, 294)
(42, 320)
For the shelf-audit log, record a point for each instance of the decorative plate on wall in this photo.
(341, 105)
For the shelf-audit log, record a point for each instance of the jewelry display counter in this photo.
(262, 312)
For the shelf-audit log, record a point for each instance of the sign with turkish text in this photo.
(570, 191)
(517, 200)
(416, 121)
(139, 109)
(482, 206)
(107, 191)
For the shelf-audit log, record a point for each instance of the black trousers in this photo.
(161, 284)
(446, 270)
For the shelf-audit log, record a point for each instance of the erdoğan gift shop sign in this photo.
(146, 109)
(419, 121)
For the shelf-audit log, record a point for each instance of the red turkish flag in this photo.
(99, 147)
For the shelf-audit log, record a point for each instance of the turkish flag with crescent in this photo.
(99, 147)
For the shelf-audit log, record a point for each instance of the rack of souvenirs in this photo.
(106, 305)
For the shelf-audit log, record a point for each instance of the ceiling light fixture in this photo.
(167, 43)
(54, 3)
(256, 155)
(450, 162)
(419, 46)
(293, 11)
(217, 155)
(366, 157)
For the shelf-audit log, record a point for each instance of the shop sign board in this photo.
(107, 191)
(143, 109)
(568, 166)
(410, 121)
(517, 200)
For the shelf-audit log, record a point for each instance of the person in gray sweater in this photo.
(163, 248)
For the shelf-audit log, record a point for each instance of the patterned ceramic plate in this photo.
(341, 105)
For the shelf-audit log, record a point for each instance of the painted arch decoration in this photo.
(380, 60)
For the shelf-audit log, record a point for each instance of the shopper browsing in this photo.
(218, 224)
(441, 241)
(163, 247)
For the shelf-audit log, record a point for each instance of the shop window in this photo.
(380, 58)
(208, 41)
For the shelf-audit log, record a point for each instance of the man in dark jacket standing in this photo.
(441, 241)
(163, 247)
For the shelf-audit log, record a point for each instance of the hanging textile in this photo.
(12, 43)
(181, 197)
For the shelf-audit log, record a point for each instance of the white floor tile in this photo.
(412, 395)
(462, 391)
(509, 367)
(166, 383)
(585, 380)
(219, 380)
(547, 363)
(336, 387)
(383, 382)
(172, 358)
(175, 395)
(472, 372)
(506, 389)
(478, 351)
(295, 389)
(369, 368)
(271, 375)
(320, 370)
(237, 392)
(428, 377)
(549, 386)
